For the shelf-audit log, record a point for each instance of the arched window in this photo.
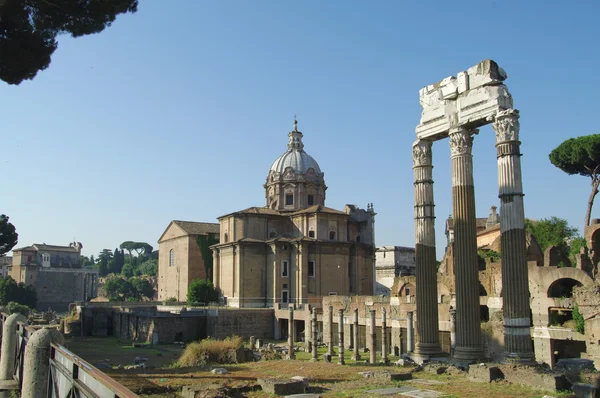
(331, 235)
(272, 234)
(226, 238)
(358, 238)
(171, 258)
(311, 234)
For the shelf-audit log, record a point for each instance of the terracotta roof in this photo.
(260, 210)
(24, 248)
(480, 223)
(44, 246)
(198, 228)
(319, 209)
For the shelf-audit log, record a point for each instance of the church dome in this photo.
(295, 157)
(300, 161)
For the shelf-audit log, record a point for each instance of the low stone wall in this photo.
(241, 322)
(165, 328)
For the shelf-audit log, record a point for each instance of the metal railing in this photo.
(71, 376)
(23, 334)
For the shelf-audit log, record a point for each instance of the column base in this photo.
(341, 362)
(385, 361)
(314, 360)
(468, 354)
(429, 350)
(519, 358)
(355, 357)
(290, 357)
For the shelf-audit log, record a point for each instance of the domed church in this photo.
(295, 249)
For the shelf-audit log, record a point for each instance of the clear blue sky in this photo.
(178, 111)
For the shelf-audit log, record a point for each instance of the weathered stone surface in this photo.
(575, 365)
(281, 386)
(484, 373)
(386, 375)
(392, 390)
(423, 394)
(435, 368)
(582, 390)
(219, 371)
(536, 377)
(302, 379)
(469, 98)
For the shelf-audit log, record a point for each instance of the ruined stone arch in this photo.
(564, 280)
(402, 290)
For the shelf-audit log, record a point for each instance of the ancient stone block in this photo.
(582, 390)
(575, 365)
(281, 386)
(484, 373)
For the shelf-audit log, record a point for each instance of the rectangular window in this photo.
(311, 234)
(289, 199)
(284, 296)
(311, 269)
(284, 269)
(311, 200)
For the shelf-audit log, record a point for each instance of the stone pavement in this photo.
(409, 391)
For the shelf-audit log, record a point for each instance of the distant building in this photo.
(56, 273)
(180, 259)
(488, 228)
(295, 249)
(391, 262)
(5, 263)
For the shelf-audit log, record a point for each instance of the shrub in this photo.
(171, 300)
(209, 350)
(201, 291)
(578, 318)
(13, 307)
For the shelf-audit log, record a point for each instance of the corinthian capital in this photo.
(506, 125)
(422, 153)
(461, 142)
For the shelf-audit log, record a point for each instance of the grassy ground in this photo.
(326, 379)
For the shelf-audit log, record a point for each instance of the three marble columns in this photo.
(514, 265)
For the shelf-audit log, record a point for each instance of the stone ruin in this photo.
(455, 108)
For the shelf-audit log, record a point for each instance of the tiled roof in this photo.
(480, 223)
(43, 246)
(260, 210)
(319, 209)
(198, 228)
(24, 248)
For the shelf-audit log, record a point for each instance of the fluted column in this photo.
(291, 331)
(384, 342)
(515, 287)
(468, 318)
(425, 256)
(356, 355)
(410, 332)
(373, 339)
(330, 320)
(315, 332)
(341, 337)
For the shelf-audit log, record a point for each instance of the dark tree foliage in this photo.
(581, 156)
(28, 30)
(123, 289)
(116, 265)
(8, 235)
(21, 293)
(201, 291)
(204, 242)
